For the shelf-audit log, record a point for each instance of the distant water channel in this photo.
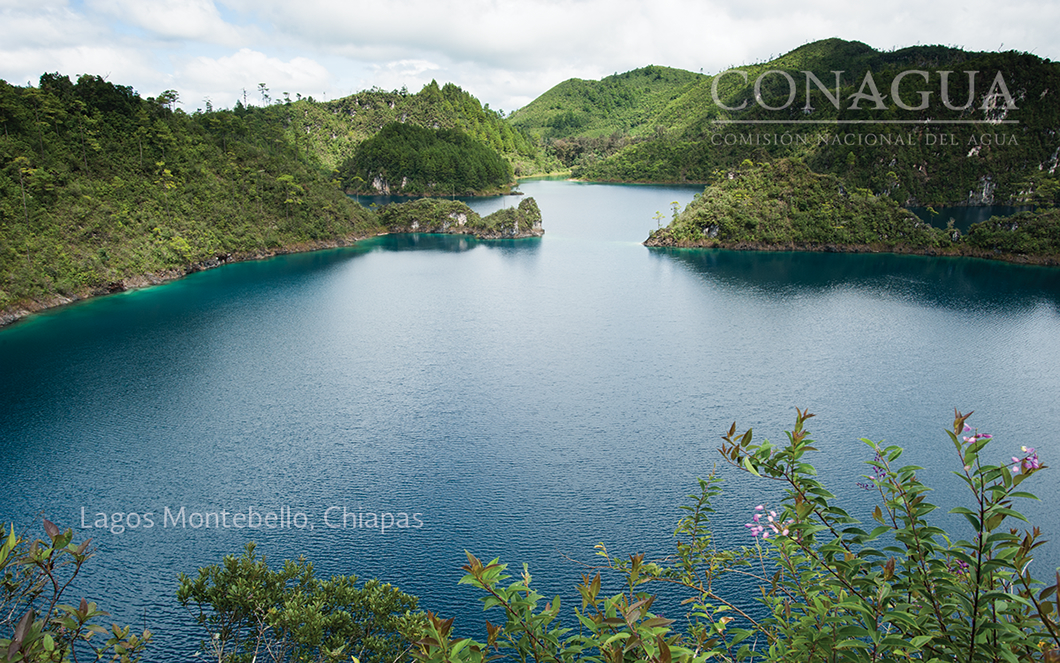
(524, 399)
(964, 217)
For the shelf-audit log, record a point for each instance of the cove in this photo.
(964, 217)
(527, 398)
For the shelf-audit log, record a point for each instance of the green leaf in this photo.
(749, 467)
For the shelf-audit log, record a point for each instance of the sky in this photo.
(505, 52)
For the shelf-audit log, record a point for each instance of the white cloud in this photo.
(506, 52)
(45, 25)
(224, 79)
(194, 20)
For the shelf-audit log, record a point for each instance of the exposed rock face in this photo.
(434, 215)
(985, 193)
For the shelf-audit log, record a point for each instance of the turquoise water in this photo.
(526, 399)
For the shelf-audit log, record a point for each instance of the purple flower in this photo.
(978, 436)
(1027, 463)
(967, 429)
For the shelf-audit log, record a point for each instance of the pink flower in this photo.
(1027, 463)
(772, 527)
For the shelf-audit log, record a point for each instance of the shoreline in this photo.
(13, 314)
(815, 247)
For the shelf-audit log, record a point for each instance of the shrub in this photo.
(829, 590)
(36, 575)
(253, 613)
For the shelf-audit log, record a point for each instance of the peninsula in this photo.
(784, 206)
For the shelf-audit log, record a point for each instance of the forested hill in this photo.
(1010, 157)
(331, 130)
(99, 187)
(625, 103)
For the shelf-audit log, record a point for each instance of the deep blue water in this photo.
(528, 399)
(964, 217)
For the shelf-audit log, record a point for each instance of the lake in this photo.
(526, 399)
(964, 217)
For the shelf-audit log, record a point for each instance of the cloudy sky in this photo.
(505, 52)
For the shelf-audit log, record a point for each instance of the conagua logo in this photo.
(997, 98)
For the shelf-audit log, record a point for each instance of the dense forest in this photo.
(410, 160)
(681, 134)
(331, 130)
(101, 190)
(623, 103)
(98, 185)
(784, 205)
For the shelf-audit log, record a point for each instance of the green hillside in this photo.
(99, 187)
(410, 160)
(624, 103)
(330, 131)
(1009, 157)
(784, 203)
(578, 122)
(784, 206)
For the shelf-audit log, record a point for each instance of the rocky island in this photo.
(435, 215)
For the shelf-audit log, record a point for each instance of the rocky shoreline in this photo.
(437, 215)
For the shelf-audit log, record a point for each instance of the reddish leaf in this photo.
(50, 528)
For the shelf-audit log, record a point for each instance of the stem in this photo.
(511, 613)
(978, 568)
(1037, 606)
(924, 572)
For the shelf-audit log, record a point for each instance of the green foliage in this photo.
(254, 613)
(828, 590)
(581, 122)
(329, 132)
(37, 627)
(1026, 233)
(98, 185)
(785, 204)
(680, 133)
(437, 215)
(406, 159)
(624, 103)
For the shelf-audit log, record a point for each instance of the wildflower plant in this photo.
(36, 625)
(830, 588)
